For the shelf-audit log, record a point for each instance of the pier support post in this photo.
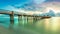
(25, 19)
(12, 18)
(33, 19)
(22, 19)
(19, 19)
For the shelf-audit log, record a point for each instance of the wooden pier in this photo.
(12, 13)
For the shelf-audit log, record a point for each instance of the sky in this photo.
(16, 5)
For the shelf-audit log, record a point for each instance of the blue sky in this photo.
(15, 4)
(4, 3)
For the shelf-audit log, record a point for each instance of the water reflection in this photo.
(48, 26)
(28, 25)
(52, 23)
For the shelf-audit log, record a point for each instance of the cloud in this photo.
(39, 1)
(31, 5)
(11, 8)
